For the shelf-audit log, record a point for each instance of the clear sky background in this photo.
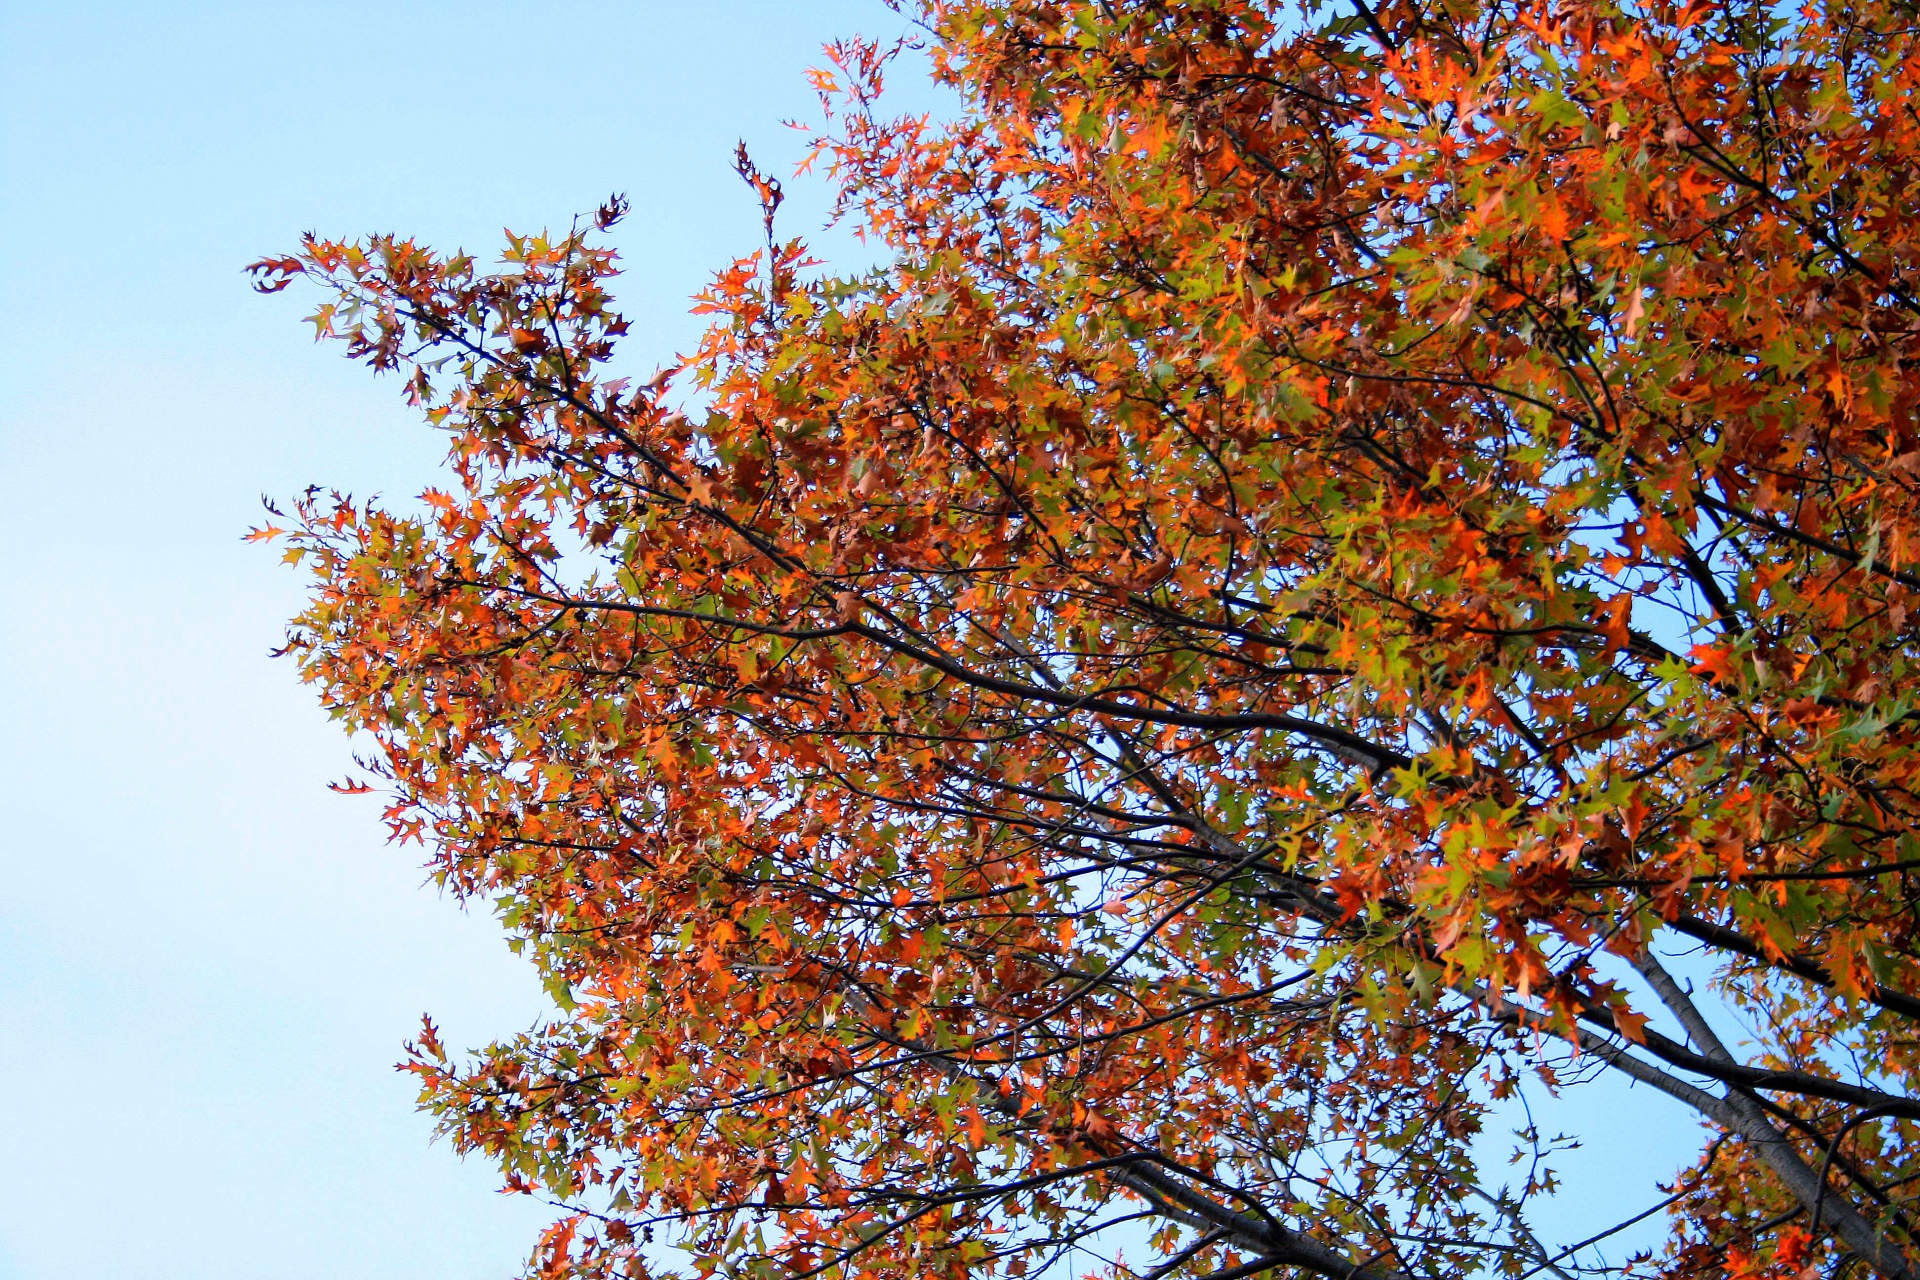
(208, 962)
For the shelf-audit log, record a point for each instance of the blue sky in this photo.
(207, 961)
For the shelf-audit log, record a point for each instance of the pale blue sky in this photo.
(207, 961)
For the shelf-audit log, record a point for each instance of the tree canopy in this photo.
(1348, 562)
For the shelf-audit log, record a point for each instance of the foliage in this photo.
(1334, 540)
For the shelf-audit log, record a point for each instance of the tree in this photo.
(1336, 543)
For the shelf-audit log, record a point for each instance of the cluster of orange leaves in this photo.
(1331, 533)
